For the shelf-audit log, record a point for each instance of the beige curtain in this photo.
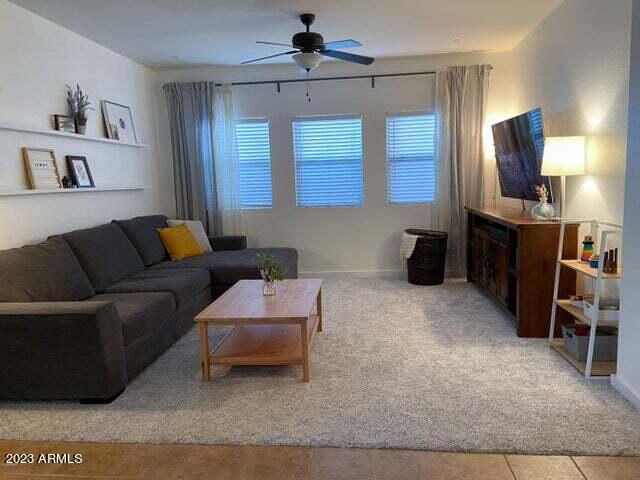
(190, 107)
(461, 97)
(225, 155)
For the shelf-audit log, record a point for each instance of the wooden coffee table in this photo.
(269, 330)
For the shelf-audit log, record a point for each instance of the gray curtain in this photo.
(190, 107)
(461, 98)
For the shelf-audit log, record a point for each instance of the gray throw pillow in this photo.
(47, 272)
(143, 233)
(105, 253)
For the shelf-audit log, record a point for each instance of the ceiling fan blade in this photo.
(270, 56)
(348, 57)
(275, 43)
(339, 44)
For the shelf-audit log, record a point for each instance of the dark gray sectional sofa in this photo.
(83, 313)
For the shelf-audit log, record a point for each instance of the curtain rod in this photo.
(351, 77)
(322, 79)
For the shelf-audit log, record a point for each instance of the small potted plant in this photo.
(270, 271)
(78, 106)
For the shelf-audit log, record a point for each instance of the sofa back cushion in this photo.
(47, 272)
(143, 233)
(105, 253)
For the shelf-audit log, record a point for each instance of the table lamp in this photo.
(563, 156)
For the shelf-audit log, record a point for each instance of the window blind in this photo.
(328, 161)
(537, 130)
(411, 158)
(254, 158)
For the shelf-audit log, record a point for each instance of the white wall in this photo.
(366, 239)
(575, 65)
(628, 378)
(37, 59)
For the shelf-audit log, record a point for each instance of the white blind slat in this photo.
(411, 158)
(254, 158)
(328, 161)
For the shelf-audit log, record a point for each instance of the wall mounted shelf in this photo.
(74, 136)
(23, 192)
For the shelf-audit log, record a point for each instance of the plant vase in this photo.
(269, 288)
(270, 271)
(81, 129)
(542, 211)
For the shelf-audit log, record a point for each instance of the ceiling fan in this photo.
(309, 48)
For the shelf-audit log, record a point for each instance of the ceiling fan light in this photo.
(307, 60)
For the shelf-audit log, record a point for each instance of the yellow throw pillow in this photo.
(179, 242)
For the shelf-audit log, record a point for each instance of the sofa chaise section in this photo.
(229, 261)
(229, 266)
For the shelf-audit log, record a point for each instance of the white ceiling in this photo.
(161, 33)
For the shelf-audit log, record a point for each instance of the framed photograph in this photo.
(41, 167)
(80, 172)
(118, 122)
(65, 123)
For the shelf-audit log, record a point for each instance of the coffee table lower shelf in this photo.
(278, 344)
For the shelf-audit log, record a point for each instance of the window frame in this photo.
(328, 117)
(413, 113)
(245, 120)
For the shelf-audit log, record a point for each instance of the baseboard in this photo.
(626, 390)
(402, 274)
(354, 274)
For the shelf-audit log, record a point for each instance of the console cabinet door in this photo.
(492, 265)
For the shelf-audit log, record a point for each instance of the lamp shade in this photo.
(563, 156)
(307, 60)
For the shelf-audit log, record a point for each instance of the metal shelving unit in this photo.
(590, 369)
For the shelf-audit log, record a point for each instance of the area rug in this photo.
(397, 366)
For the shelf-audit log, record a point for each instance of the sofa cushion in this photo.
(229, 266)
(183, 284)
(143, 233)
(197, 229)
(140, 312)
(180, 242)
(105, 253)
(47, 272)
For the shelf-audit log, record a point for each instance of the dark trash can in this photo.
(426, 264)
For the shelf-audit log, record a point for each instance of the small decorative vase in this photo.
(81, 129)
(269, 288)
(542, 211)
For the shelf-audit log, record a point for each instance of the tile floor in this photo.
(172, 462)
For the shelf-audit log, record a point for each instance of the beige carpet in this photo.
(399, 366)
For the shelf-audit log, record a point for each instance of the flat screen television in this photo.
(519, 145)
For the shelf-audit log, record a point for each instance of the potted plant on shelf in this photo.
(270, 271)
(78, 106)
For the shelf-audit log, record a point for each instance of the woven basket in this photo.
(426, 264)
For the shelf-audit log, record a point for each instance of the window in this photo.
(254, 158)
(411, 158)
(537, 131)
(328, 161)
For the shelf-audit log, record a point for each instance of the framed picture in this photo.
(118, 122)
(65, 123)
(41, 167)
(80, 172)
